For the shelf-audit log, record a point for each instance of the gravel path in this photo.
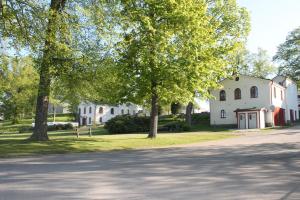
(262, 166)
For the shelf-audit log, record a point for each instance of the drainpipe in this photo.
(273, 121)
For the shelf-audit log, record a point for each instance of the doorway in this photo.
(242, 121)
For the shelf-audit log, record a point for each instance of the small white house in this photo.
(90, 113)
(248, 102)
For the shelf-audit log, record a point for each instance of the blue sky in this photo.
(271, 21)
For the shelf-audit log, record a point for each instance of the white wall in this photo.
(106, 115)
(230, 105)
(291, 98)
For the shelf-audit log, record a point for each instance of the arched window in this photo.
(254, 92)
(79, 111)
(128, 112)
(122, 111)
(101, 110)
(84, 110)
(112, 111)
(90, 110)
(100, 119)
(223, 114)
(222, 95)
(237, 93)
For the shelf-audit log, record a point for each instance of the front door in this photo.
(242, 121)
(252, 120)
(84, 121)
(291, 115)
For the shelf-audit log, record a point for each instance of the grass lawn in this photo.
(66, 142)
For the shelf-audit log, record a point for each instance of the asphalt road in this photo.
(256, 166)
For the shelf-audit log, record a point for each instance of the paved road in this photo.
(256, 166)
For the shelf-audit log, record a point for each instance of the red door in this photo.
(279, 117)
(282, 116)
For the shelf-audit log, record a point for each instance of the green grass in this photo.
(12, 145)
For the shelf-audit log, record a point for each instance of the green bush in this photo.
(178, 126)
(25, 129)
(200, 118)
(128, 124)
(57, 127)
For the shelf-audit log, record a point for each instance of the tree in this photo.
(175, 108)
(58, 33)
(257, 64)
(19, 85)
(288, 55)
(173, 48)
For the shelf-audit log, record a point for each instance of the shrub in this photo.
(25, 129)
(128, 124)
(177, 126)
(199, 118)
(57, 127)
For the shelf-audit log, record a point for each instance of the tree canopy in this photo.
(170, 49)
(288, 55)
(257, 64)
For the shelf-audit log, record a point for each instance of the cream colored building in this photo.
(248, 102)
(90, 113)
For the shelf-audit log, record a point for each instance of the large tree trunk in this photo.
(154, 116)
(40, 129)
(188, 114)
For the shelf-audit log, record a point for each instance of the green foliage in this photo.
(177, 126)
(200, 118)
(167, 50)
(175, 108)
(288, 55)
(19, 88)
(256, 64)
(127, 124)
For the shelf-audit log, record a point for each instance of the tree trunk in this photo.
(154, 116)
(40, 129)
(188, 114)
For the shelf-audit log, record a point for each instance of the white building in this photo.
(248, 102)
(90, 113)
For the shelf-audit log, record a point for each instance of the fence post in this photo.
(90, 132)
(77, 132)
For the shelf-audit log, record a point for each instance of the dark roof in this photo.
(248, 109)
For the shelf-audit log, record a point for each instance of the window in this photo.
(100, 119)
(254, 92)
(101, 110)
(79, 111)
(237, 93)
(112, 111)
(222, 95)
(128, 112)
(84, 110)
(90, 109)
(223, 114)
(122, 111)
(274, 92)
(281, 94)
(90, 120)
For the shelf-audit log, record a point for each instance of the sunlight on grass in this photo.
(66, 142)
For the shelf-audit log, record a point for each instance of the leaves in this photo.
(288, 55)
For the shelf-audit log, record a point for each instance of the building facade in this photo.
(90, 113)
(248, 102)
